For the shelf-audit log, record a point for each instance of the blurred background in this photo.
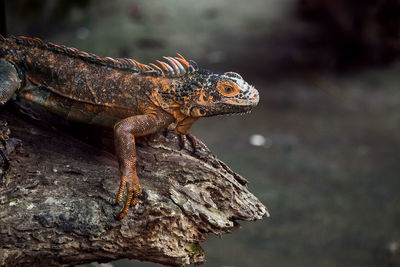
(322, 149)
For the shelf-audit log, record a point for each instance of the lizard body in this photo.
(133, 98)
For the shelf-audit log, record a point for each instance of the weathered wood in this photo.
(57, 201)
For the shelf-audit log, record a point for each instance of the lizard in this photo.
(134, 99)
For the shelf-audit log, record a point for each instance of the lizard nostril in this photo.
(255, 98)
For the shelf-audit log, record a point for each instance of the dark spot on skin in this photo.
(216, 97)
(196, 83)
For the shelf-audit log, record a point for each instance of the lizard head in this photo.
(200, 93)
(218, 94)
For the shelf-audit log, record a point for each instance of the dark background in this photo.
(322, 149)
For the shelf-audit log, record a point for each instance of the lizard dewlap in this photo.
(134, 98)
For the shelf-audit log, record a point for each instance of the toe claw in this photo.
(121, 191)
(136, 194)
(181, 141)
(127, 204)
(194, 141)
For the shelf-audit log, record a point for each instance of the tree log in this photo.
(57, 200)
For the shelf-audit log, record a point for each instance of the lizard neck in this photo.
(169, 97)
(164, 95)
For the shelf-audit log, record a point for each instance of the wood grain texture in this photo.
(57, 201)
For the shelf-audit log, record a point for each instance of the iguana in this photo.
(134, 98)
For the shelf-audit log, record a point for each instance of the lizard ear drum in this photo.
(228, 89)
(197, 112)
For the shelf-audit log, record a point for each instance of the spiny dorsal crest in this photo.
(176, 66)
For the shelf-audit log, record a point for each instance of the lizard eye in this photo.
(228, 89)
(205, 98)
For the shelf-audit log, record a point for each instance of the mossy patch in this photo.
(195, 248)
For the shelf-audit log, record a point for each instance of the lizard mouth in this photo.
(220, 109)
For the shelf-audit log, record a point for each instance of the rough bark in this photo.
(57, 200)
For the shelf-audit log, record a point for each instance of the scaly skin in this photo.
(133, 98)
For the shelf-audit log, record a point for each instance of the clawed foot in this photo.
(132, 194)
(193, 141)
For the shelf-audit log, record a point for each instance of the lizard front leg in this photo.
(125, 132)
